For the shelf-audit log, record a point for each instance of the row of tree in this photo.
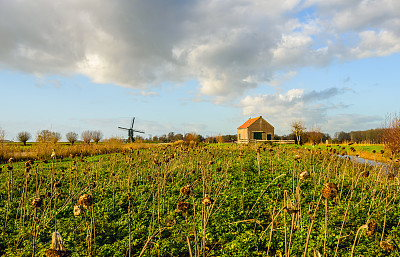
(187, 137)
(47, 136)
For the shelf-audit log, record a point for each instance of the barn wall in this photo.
(261, 125)
(243, 134)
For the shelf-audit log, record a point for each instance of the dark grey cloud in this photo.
(228, 46)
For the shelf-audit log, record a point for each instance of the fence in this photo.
(247, 141)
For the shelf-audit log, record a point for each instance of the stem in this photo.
(310, 228)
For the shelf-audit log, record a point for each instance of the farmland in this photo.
(200, 200)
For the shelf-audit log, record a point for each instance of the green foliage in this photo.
(136, 193)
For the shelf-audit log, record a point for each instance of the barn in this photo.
(255, 129)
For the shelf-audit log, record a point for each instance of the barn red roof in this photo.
(249, 122)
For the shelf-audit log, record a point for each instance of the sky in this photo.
(202, 66)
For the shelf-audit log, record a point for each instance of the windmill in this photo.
(130, 131)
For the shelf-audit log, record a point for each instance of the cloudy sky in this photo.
(202, 66)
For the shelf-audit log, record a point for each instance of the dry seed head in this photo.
(85, 200)
(372, 227)
(304, 175)
(182, 206)
(290, 210)
(37, 202)
(387, 246)
(186, 190)
(77, 210)
(329, 191)
(206, 200)
(365, 174)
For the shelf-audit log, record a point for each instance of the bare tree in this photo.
(97, 136)
(46, 136)
(55, 137)
(43, 136)
(87, 136)
(72, 137)
(315, 136)
(219, 138)
(24, 137)
(391, 133)
(2, 135)
(298, 129)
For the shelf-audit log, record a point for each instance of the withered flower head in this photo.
(85, 200)
(182, 206)
(329, 191)
(206, 200)
(37, 202)
(365, 174)
(9, 167)
(186, 190)
(391, 176)
(290, 209)
(304, 175)
(11, 160)
(372, 227)
(210, 162)
(387, 246)
(77, 210)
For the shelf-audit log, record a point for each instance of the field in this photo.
(200, 200)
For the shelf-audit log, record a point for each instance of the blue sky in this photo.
(201, 66)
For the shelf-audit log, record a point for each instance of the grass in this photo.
(259, 205)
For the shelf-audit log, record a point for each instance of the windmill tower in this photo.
(131, 139)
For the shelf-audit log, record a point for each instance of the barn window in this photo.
(257, 135)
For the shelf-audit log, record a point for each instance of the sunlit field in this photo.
(199, 200)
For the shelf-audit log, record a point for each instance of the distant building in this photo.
(255, 129)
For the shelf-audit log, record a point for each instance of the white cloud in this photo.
(228, 46)
(281, 109)
(377, 44)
